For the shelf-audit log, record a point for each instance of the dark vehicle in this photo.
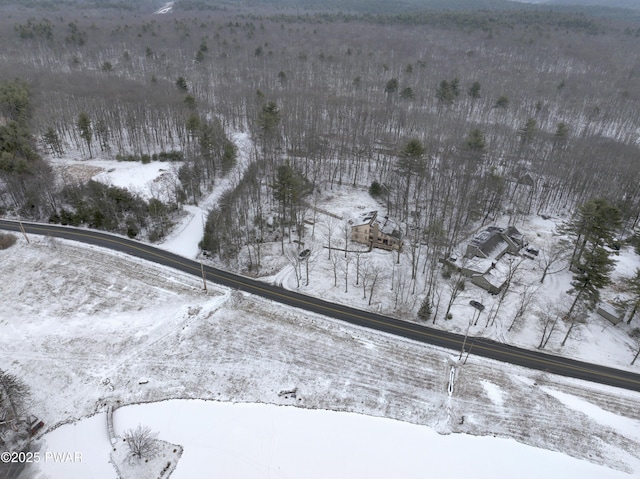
(477, 305)
(531, 251)
(304, 253)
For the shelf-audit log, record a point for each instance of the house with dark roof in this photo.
(494, 242)
(375, 231)
(481, 262)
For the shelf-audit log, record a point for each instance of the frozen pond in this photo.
(238, 441)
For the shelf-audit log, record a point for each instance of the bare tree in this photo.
(513, 263)
(635, 334)
(456, 286)
(549, 317)
(346, 231)
(346, 261)
(525, 298)
(294, 260)
(328, 228)
(376, 272)
(335, 261)
(551, 253)
(142, 442)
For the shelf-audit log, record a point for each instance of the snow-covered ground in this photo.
(255, 440)
(83, 326)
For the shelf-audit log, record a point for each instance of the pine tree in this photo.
(474, 91)
(475, 140)
(289, 189)
(391, 86)
(634, 288)
(594, 225)
(528, 131)
(425, 311)
(592, 274)
(86, 133)
(444, 92)
(52, 141)
(181, 84)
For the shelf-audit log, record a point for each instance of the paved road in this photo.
(424, 334)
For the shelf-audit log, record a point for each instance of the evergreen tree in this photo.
(444, 92)
(410, 165)
(86, 133)
(502, 102)
(475, 140)
(634, 289)
(181, 84)
(425, 311)
(391, 86)
(528, 131)
(407, 94)
(455, 87)
(591, 275)
(594, 225)
(474, 90)
(268, 124)
(289, 189)
(562, 132)
(229, 156)
(375, 189)
(52, 141)
(192, 125)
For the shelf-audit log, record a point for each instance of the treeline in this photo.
(512, 120)
(26, 179)
(114, 209)
(28, 185)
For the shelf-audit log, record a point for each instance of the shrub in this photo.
(425, 312)
(7, 240)
(375, 189)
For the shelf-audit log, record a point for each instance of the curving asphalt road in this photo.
(424, 334)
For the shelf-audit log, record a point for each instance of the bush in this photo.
(7, 240)
(425, 312)
(162, 156)
(375, 189)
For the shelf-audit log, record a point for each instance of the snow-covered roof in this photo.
(388, 226)
(491, 241)
(365, 218)
(385, 224)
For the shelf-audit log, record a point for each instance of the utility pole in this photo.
(464, 342)
(24, 233)
(204, 276)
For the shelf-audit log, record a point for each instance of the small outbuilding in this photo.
(610, 312)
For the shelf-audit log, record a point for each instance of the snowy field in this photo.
(89, 325)
(245, 441)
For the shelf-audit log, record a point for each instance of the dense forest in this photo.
(451, 117)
